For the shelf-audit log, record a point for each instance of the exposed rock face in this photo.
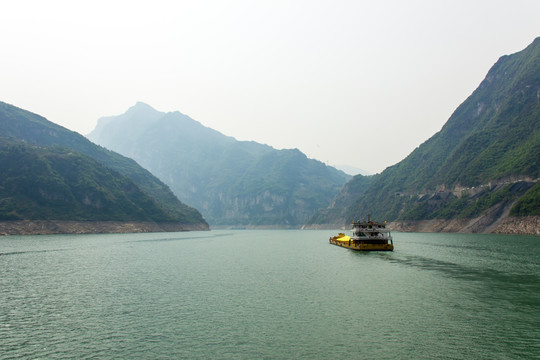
(495, 219)
(233, 183)
(42, 227)
(527, 225)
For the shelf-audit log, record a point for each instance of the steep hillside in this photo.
(233, 183)
(109, 172)
(484, 159)
(58, 184)
(333, 216)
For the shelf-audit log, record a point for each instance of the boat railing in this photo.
(374, 235)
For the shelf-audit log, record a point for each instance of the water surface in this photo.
(268, 295)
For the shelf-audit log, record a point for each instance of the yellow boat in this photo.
(367, 236)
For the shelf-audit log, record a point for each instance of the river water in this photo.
(268, 295)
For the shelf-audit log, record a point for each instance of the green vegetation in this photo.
(447, 206)
(232, 182)
(59, 184)
(53, 167)
(334, 215)
(492, 138)
(528, 204)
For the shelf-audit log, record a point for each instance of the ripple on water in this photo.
(267, 294)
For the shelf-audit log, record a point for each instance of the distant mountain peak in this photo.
(235, 183)
(137, 118)
(140, 107)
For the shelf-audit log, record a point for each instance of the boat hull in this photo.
(362, 246)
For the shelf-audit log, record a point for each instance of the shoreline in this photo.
(526, 225)
(51, 227)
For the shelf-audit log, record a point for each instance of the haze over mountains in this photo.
(479, 173)
(233, 183)
(51, 173)
(482, 167)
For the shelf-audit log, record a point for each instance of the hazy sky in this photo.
(347, 82)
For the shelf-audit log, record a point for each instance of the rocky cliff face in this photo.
(233, 183)
(527, 225)
(494, 219)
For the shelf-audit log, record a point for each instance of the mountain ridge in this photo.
(480, 168)
(233, 183)
(59, 152)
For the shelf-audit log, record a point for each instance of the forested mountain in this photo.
(334, 215)
(481, 167)
(49, 172)
(58, 184)
(233, 183)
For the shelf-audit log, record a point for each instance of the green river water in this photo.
(275, 294)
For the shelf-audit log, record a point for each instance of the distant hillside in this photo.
(480, 168)
(50, 172)
(233, 183)
(352, 170)
(334, 216)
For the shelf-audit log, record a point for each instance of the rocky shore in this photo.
(42, 227)
(528, 225)
(495, 221)
(520, 225)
